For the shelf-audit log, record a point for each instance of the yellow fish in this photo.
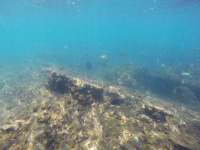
(61, 68)
(163, 65)
(183, 81)
(103, 56)
(81, 86)
(122, 53)
(185, 74)
(147, 93)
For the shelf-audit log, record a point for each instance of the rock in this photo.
(161, 111)
(154, 112)
(41, 134)
(10, 127)
(184, 95)
(178, 143)
(196, 123)
(62, 84)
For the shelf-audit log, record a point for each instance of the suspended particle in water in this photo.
(65, 46)
(73, 2)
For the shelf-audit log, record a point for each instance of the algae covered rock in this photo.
(149, 111)
(10, 127)
(185, 95)
(41, 135)
(62, 84)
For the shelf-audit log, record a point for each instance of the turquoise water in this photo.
(104, 106)
(57, 31)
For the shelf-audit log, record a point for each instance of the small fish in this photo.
(122, 54)
(163, 65)
(183, 81)
(81, 86)
(185, 74)
(103, 57)
(62, 67)
(85, 46)
(147, 93)
(196, 49)
(158, 61)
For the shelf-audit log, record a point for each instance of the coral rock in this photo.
(10, 127)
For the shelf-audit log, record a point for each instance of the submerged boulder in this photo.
(184, 95)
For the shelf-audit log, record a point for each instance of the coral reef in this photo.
(99, 116)
(166, 81)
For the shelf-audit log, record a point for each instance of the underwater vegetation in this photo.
(88, 65)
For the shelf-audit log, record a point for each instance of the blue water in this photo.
(61, 34)
(57, 31)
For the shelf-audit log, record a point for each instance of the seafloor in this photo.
(41, 107)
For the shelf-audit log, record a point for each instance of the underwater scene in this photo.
(100, 75)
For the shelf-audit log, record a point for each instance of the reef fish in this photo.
(163, 65)
(147, 94)
(122, 54)
(103, 57)
(62, 67)
(81, 86)
(183, 81)
(185, 74)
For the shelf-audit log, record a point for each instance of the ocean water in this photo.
(161, 40)
(57, 31)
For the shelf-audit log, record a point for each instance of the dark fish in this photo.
(88, 65)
